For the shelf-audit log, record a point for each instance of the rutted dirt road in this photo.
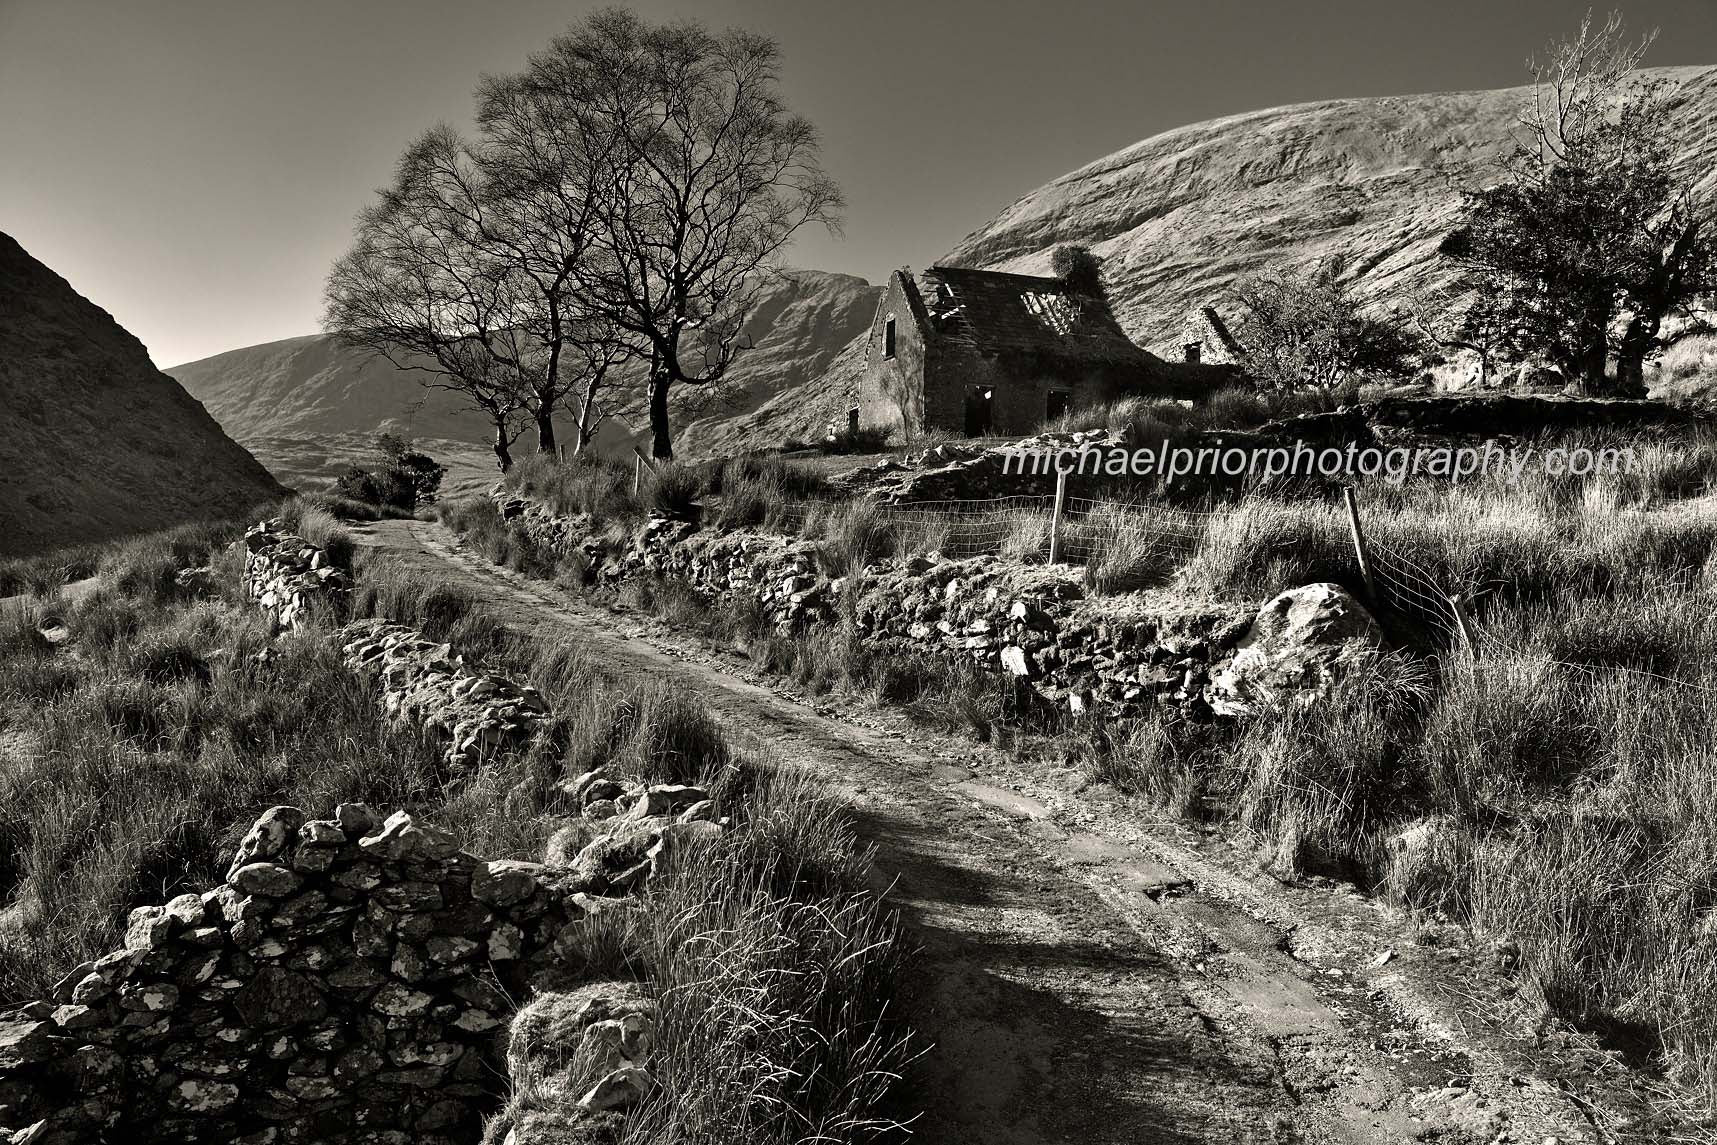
(1091, 975)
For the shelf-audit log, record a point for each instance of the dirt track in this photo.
(1091, 975)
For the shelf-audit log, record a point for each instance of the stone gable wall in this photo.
(891, 390)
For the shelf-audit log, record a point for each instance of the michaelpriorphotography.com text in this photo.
(1488, 460)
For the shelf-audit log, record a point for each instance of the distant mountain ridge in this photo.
(307, 404)
(1177, 218)
(98, 443)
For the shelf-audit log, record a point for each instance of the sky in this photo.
(194, 166)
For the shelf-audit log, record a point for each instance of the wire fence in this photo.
(1412, 599)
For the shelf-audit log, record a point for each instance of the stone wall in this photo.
(354, 980)
(891, 389)
(480, 715)
(1115, 655)
(345, 983)
(286, 575)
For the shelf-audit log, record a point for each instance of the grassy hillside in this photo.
(1179, 216)
(98, 443)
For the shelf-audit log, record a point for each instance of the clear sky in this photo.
(194, 165)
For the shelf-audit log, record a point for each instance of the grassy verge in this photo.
(134, 756)
(1556, 797)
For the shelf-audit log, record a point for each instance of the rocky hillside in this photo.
(308, 405)
(1180, 215)
(99, 443)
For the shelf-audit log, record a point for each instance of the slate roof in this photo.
(1000, 313)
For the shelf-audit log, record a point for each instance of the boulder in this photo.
(1294, 650)
(568, 1041)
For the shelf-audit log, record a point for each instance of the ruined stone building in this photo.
(980, 352)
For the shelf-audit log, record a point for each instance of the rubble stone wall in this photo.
(1116, 655)
(357, 979)
(347, 982)
(479, 714)
(285, 574)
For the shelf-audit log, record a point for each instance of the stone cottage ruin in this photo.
(981, 352)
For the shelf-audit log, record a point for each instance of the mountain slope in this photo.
(308, 405)
(98, 443)
(1181, 215)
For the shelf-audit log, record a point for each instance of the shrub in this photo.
(403, 480)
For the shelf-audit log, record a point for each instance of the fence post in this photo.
(1055, 518)
(637, 473)
(1458, 605)
(1359, 550)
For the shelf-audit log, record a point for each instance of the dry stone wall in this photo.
(345, 983)
(354, 980)
(480, 715)
(285, 574)
(1115, 655)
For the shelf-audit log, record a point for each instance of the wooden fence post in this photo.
(1458, 605)
(1359, 550)
(1055, 518)
(637, 473)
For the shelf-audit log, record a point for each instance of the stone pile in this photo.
(285, 574)
(480, 715)
(1114, 655)
(350, 982)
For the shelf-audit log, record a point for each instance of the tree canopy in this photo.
(627, 196)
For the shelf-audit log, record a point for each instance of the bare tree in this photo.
(603, 351)
(422, 291)
(706, 177)
(1476, 321)
(469, 259)
(1597, 236)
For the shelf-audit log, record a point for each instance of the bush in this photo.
(404, 480)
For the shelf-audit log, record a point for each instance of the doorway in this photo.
(980, 407)
(1057, 404)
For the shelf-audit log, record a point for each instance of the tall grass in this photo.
(1150, 420)
(137, 755)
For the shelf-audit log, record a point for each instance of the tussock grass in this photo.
(756, 490)
(1128, 547)
(1150, 420)
(45, 573)
(673, 489)
(134, 761)
(599, 488)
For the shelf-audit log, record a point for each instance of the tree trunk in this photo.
(662, 443)
(1630, 373)
(545, 429)
(583, 439)
(1637, 342)
(503, 456)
